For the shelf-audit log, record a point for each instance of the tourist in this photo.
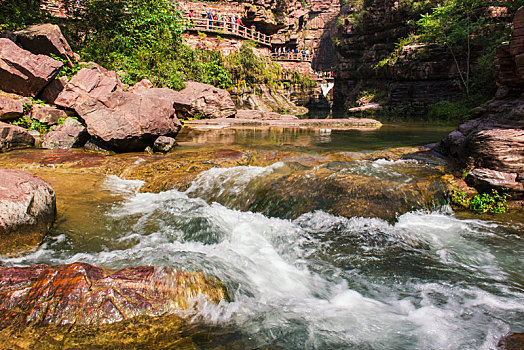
(239, 21)
(233, 23)
(253, 31)
(210, 18)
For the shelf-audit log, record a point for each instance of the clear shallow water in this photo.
(430, 280)
(319, 140)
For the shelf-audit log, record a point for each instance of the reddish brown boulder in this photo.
(68, 135)
(53, 89)
(44, 39)
(10, 108)
(93, 80)
(22, 72)
(130, 121)
(83, 294)
(27, 210)
(12, 137)
(47, 115)
(514, 341)
(204, 101)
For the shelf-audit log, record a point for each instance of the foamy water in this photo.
(428, 281)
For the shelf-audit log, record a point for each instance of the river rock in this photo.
(83, 294)
(10, 108)
(27, 210)
(12, 137)
(164, 144)
(53, 89)
(130, 121)
(68, 135)
(44, 39)
(46, 114)
(22, 72)
(204, 101)
(513, 341)
(257, 114)
(93, 80)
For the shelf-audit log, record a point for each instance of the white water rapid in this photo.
(428, 281)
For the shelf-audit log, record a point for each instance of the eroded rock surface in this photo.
(83, 294)
(12, 137)
(27, 210)
(493, 144)
(24, 73)
(44, 39)
(10, 108)
(68, 135)
(205, 101)
(130, 121)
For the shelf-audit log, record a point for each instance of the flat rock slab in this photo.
(336, 124)
(84, 294)
(27, 210)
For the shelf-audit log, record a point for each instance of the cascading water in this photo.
(427, 280)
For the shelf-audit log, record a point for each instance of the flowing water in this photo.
(429, 279)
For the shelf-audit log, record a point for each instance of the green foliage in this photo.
(248, 69)
(15, 15)
(32, 124)
(493, 202)
(68, 70)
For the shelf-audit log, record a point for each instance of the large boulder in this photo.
(45, 39)
(204, 101)
(53, 89)
(83, 294)
(10, 108)
(27, 210)
(93, 80)
(68, 135)
(22, 72)
(12, 137)
(130, 121)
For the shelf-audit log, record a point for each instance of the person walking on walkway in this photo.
(210, 18)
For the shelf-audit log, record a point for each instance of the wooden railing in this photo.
(226, 27)
(291, 56)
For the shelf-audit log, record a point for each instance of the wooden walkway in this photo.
(224, 27)
(292, 57)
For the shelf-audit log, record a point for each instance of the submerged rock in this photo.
(164, 144)
(83, 294)
(22, 72)
(514, 341)
(27, 210)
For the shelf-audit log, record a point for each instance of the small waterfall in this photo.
(326, 88)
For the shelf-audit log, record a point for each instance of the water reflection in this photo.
(320, 140)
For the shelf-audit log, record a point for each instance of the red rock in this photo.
(22, 72)
(53, 89)
(514, 341)
(68, 135)
(47, 115)
(44, 39)
(10, 108)
(27, 209)
(142, 84)
(12, 137)
(88, 295)
(93, 80)
(205, 101)
(164, 144)
(131, 121)
(487, 179)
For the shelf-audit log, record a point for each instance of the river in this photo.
(301, 276)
